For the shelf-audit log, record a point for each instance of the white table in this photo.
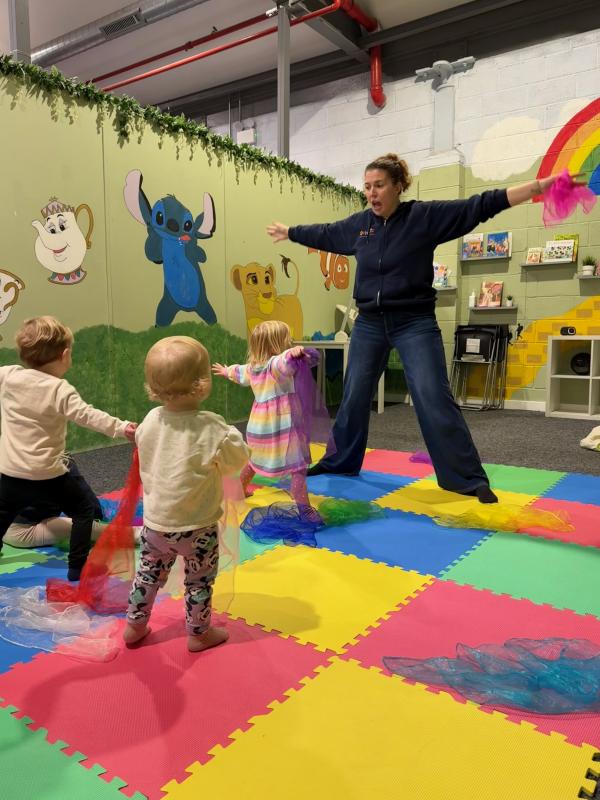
(323, 345)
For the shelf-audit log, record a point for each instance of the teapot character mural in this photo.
(60, 246)
(172, 241)
(10, 287)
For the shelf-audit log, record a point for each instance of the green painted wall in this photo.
(52, 148)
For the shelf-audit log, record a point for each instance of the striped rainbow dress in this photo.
(273, 432)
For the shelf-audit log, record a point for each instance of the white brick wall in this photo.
(509, 107)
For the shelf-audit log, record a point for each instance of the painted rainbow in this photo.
(576, 148)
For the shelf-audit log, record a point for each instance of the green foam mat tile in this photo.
(522, 479)
(13, 559)
(250, 549)
(34, 769)
(544, 571)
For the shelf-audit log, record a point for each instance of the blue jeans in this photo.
(418, 340)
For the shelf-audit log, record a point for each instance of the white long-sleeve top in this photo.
(183, 457)
(34, 411)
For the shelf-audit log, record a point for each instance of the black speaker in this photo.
(568, 330)
(580, 364)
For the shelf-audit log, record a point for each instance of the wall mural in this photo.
(261, 299)
(60, 245)
(577, 148)
(172, 241)
(10, 287)
(334, 267)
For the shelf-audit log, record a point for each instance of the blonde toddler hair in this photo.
(41, 340)
(268, 339)
(177, 366)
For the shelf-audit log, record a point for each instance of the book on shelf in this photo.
(498, 245)
(559, 251)
(490, 294)
(534, 255)
(472, 246)
(567, 237)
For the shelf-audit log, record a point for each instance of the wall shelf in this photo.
(483, 258)
(494, 308)
(525, 265)
(445, 288)
(588, 277)
(568, 394)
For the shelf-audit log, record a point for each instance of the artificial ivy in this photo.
(129, 114)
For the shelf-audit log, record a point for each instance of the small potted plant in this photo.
(588, 266)
(509, 300)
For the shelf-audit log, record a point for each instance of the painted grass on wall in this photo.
(108, 370)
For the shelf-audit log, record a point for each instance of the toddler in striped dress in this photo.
(279, 445)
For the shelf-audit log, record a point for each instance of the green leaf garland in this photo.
(130, 116)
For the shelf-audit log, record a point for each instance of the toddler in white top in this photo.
(184, 453)
(36, 402)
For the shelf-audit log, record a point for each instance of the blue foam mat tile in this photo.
(401, 539)
(366, 486)
(577, 488)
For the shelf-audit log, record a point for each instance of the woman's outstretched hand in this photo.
(546, 183)
(278, 231)
(219, 369)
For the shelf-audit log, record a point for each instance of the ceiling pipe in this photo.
(370, 25)
(183, 47)
(334, 6)
(88, 36)
(348, 6)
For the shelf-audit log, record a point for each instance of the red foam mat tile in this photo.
(445, 614)
(156, 709)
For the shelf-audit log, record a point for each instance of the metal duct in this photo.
(108, 28)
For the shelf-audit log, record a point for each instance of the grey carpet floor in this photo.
(519, 438)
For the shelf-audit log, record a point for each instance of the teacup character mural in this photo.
(172, 240)
(10, 287)
(61, 246)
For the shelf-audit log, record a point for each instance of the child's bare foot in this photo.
(248, 492)
(132, 634)
(210, 638)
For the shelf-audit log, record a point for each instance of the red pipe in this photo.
(187, 46)
(377, 93)
(370, 24)
(337, 5)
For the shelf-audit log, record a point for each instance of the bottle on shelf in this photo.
(472, 300)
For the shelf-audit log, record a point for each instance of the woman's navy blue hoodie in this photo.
(394, 257)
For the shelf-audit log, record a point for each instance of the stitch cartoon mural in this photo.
(261, 300)
(172, 241)
(61, 246)
(10, 286)
(335, 268)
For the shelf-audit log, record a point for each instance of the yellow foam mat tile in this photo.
(424, 497)
(317, 596)
(317, 451)
(354, 734)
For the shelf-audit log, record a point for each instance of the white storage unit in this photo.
(567, 393)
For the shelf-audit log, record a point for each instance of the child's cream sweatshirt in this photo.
(35, 408)
(183, 456)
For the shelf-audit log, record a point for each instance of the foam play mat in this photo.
(298, 704)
